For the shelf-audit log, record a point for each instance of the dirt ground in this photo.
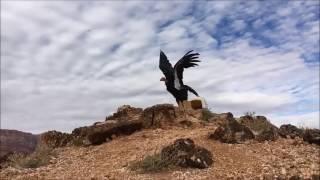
(281, 159)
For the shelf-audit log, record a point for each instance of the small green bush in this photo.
(206, 114)
(151, 163)
(40, 157)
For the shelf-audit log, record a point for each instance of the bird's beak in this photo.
(163, 79)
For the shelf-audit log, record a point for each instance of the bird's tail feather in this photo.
(191, 90)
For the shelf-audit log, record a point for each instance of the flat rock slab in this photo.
(100, 135)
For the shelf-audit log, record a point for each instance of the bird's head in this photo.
(163, 79)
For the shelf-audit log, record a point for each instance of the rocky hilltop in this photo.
(163, 142)
(13, 141)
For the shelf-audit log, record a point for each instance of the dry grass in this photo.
(78, 142)
(151, 163)
(250, 113)
(40, 157)
(206, 114)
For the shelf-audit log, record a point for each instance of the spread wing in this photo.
(165, 66)
(188, 60)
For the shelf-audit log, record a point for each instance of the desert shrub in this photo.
(151, 163)
(40, 157)
(250, 113)
(303, 128)
(206, 114)
(78, 142)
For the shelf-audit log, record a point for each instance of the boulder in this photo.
(267, 135)
(261, 127)
(232, 132)
(184, 153)
(290, 131)
(312, 136)
(55, 139)
(161, 115)
(125, 113)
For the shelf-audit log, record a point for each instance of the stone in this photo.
(184, 153)
(291, 131)
(158, 116)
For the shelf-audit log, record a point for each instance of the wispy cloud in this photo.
(68, 64)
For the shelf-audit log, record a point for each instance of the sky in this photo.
(66, 64)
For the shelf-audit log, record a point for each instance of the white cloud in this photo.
(301, 120)
(238, 25)
(77, 62)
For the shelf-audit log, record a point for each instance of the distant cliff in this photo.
(16, 141)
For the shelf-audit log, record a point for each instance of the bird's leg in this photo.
(188, 108)
(179, 106)
(186, 105)
(184, 110)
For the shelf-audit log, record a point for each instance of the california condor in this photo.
(174, 75)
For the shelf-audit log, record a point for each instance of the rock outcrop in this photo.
(261, 127)
(312, 136)
(290, 131)
(125, 121)
(102, 134)
(95, 135)
(234, 133)
(55, 139)
(267, 135)
(125, 113)
(161, 115)
(184, 153)
(230, 131)
(221, 119)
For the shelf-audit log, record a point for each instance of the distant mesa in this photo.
(13, 141)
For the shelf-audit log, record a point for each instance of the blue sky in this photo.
(66, 64)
